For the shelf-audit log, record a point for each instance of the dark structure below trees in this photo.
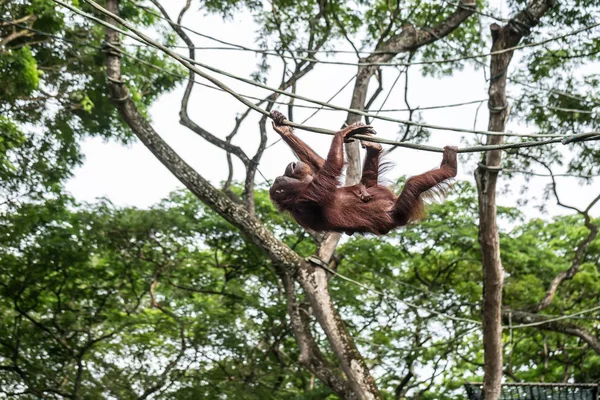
(539, 391)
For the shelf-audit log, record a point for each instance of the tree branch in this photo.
(200, 187)
(573, 269)
(15, 35)
(567, 328)
(301, 70)
(185, 119)
(581, 248)
(19, 20)
(310, 355)
(411, 39)
(313, 279)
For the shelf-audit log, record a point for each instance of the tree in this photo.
(173, 302)
(359, 382)
(439, 32)
(54, 94)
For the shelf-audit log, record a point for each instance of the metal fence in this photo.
(539, 391)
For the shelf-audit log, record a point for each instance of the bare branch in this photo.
(26, 18)
(345, 34)
(411, 39)
(13, 36)
(581, 248)
(183, 113)
(228, 139)
(302, 68)
(379, 76)
(573, 269)
(199, 186)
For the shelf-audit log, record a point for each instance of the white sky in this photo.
(132, 176)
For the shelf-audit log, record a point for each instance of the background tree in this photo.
(54, 94)
(398, 325)
(99, 300)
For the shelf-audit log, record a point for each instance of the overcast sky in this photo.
(132, 176)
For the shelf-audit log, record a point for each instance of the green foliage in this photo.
(19, 68)
(57, 90)
(76, 283)
(75, 287)
(10, 137)
(98, 301)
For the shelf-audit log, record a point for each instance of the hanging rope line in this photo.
(188, 63)
(325, 104)
(379, 64)
(329, 99)
(238, 47)
(389, 93)
(555, 319)
(550, 318)
(322, 264)
(320, 108)
(379, 140)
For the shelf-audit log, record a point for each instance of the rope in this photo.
(320, 108)
(235, 46)
(330, 99)
(239, 47)
(188, 63)
(320, 263)
(119, 52)
(560, 318)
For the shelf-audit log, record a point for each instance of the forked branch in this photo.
(311, 278)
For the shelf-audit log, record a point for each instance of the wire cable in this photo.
(320, 263)
(381, 64)
(321, 108)
(186, 61)
(139, 36)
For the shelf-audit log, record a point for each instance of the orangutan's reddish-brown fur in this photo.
(309, 189)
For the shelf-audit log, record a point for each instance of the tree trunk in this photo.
(359, 96)
(486, 176)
